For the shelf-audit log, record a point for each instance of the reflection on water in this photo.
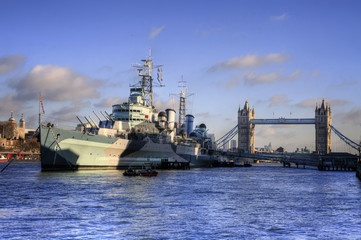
(265, 201)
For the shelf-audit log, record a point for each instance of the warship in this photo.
(134, 134)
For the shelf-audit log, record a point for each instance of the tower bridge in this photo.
(322, 158)
(247, 122)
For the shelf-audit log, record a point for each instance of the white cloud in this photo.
(294, 75)
(155, 32)
(68, 113)
(207, 33)
(203, 115)
(282, 17)
(108, 102)
(56, 84)
(254, 78)
(265, 132)
(308, 103)
(162, 105)
(313, 101)
(276, 57)
(344, 84)
(278, 100)
(337, 102)
(233, 82)
(249, 61)
(316, 74)
(353, 117)
(11, 104)
(9, 63)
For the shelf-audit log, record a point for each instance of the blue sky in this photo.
(283, 56)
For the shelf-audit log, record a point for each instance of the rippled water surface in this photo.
(261, 202)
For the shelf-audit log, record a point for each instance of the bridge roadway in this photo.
(284, 121)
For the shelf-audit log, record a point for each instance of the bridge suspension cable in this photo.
(220, 145)
(348, 141)
(227, 137)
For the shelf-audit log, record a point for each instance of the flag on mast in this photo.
(42, 105)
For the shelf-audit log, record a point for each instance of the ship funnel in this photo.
(170, 118)
(154, 117)
(189, 123)
(162, 118)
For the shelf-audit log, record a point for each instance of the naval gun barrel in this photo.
(82, 123)
(109, 116)
(104, 116)
(96, 125)
(89, 122)
(97, 116)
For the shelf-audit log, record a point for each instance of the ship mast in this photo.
(146, 82)
(182, 102)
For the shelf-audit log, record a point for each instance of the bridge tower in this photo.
(323, 120)
(246, 129)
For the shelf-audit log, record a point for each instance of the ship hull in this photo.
(74, 150)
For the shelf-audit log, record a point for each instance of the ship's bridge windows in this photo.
(126, 110)
(134, 110)
(120, 110)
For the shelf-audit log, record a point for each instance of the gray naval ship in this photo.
(134, 134)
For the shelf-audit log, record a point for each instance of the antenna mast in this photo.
(146, 82)
(182, 102)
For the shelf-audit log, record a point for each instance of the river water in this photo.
(261, 202)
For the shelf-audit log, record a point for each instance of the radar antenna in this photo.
(146, 83)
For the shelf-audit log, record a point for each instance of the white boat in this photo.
(3, 158)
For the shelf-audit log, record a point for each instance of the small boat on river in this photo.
(131, 172)
(148, 171)
(3, 158)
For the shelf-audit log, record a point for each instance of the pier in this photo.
(22, 156)
(329, 162)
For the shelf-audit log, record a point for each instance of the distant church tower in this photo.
(22, 121)
(323, 117)
(246, 129)
(21, 129)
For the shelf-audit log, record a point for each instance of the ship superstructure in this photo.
(138, 109)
